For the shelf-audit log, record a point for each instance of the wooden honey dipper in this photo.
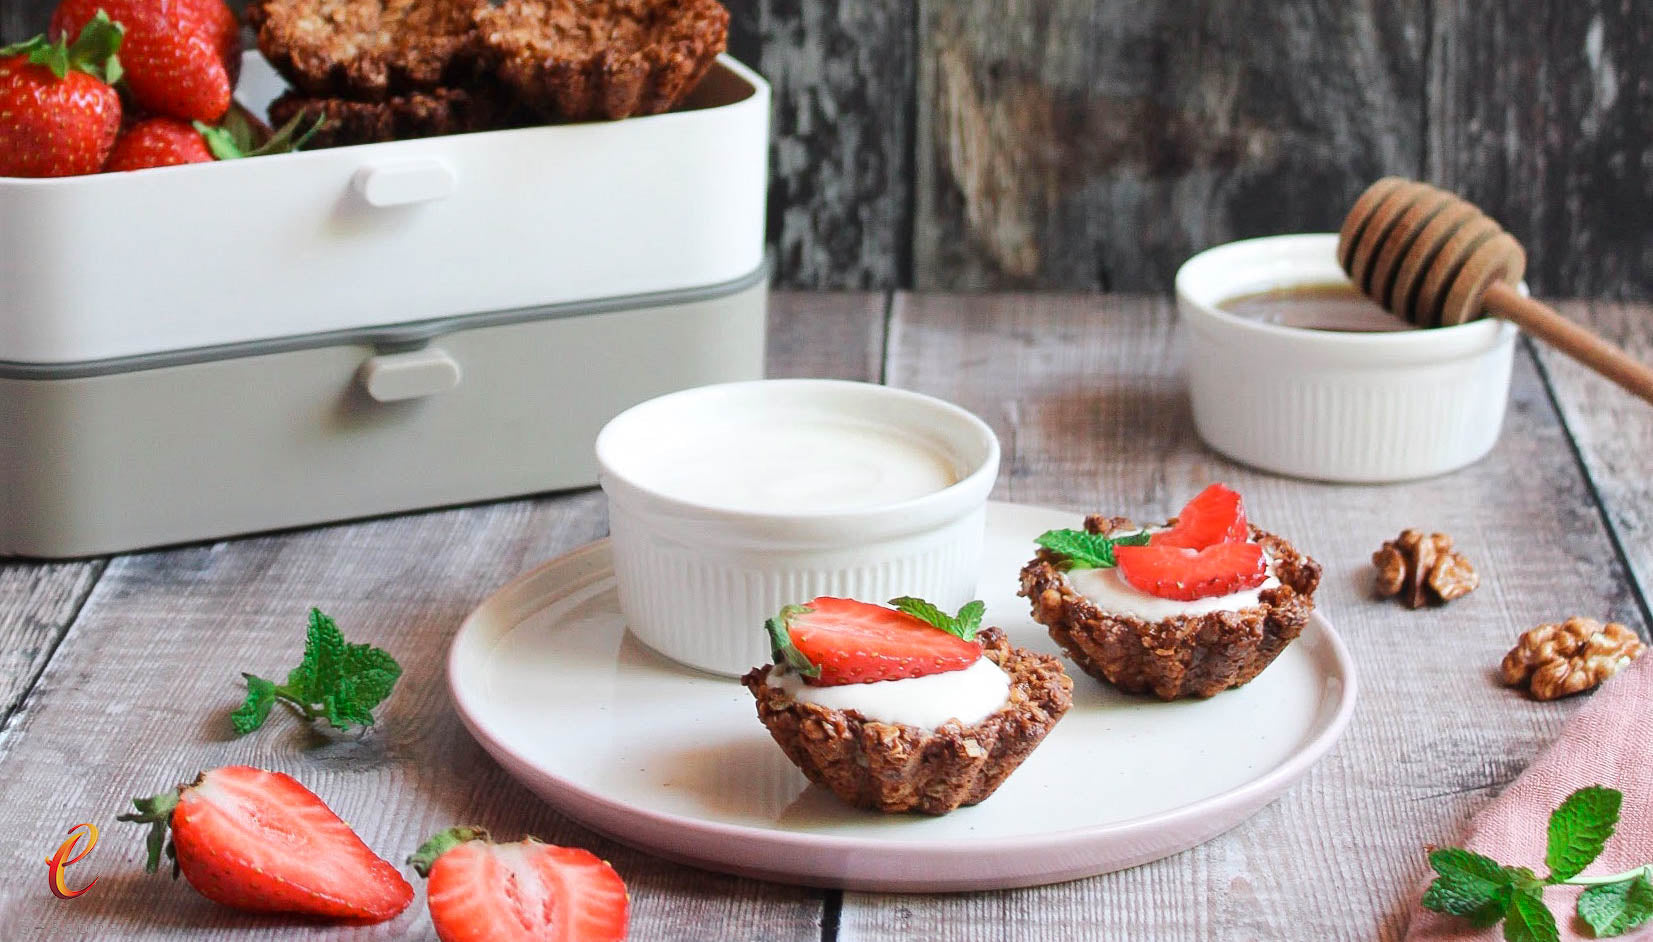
(1436, 260)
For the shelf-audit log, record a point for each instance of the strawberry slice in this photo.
(1176, 572)
(523, 892)
(260, 841)
(854, 642)
(1216, 515)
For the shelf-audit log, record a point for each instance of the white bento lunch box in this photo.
(193, 352)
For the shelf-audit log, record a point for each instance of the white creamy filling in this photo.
(969, 696)
(1109, 591)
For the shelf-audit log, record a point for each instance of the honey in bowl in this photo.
(1337, 307)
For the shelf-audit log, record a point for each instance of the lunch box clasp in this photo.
(393, 377)
(406, 182)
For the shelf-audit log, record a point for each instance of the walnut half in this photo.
(1560, 660)
(1422, 566)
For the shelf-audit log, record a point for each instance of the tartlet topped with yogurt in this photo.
(1197, 606)
(904, 708)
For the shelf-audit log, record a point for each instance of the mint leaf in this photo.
(1527, 919)
(335, 680)
(1616, 908)
(1579, 829)
(1469, 883)
(964, 625)
(256, 709)
(1086, 550)
(780, 642)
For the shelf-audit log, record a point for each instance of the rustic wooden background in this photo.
(1094, 144)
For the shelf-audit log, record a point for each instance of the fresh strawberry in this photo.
(225, 29)
(1217, 515)
(1176, 572)
(174, 53)
(852, 642)
(523, 892)
(58, 114)
(158, 142)
(261, 842)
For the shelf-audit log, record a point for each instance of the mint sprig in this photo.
(1086, 550)
(965, 624)
(780, 642)
(1479, 889)
(335, 681)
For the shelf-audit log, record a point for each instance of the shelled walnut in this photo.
(1421, 566)
(1560, 660)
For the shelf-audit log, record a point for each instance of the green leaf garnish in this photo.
(1616, 908)
(964, 625)
(1579, 829)
(1086, 550)
(1479, 889)
(336, 681)
(780, 642)
(1468, 883)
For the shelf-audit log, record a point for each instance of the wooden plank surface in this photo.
(1543, 115)
(1088, 145)
(37, 603)
(1084, 393)
(1613, 430)
(137, 696)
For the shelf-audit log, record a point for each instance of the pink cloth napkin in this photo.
(1608, 742)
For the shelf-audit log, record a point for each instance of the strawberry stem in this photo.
(156, 811)
(425, 857)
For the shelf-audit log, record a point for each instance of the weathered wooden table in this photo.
(116, 675)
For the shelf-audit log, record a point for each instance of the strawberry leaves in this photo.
(1086, 550)
(963, 625)
(1477, 888)
(781, 646)
(94, 51)
(336, 681)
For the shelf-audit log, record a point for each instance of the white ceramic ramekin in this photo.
(1327, 405)
(696, 581)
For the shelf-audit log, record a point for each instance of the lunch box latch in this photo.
(406, 182)
(394, 377)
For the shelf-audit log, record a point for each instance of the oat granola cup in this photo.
(1171, 648)
(924, 766)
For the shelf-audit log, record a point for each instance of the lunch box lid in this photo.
(118, 266)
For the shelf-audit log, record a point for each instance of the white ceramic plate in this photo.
(675, 762)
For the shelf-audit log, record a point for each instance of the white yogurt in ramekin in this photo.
(969, 696)
(728, 502)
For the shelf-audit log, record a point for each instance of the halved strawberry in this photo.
(1176, 572)
(1215, 515)
(854, 642)
(261, 842)
(523, 892)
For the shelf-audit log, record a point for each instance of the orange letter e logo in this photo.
(58, 861)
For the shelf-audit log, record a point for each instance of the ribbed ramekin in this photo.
(1329, 405)
(696, 581)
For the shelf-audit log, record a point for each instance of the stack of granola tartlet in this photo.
(379, 70)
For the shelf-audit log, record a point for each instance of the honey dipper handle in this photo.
(1581, 344)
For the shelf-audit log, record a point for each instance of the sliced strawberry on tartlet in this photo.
(1190, 609)
(480, 891)
(905, 708)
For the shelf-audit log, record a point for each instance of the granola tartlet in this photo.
(401, 117)
(895, 767)
(367, 49)
(1193, 655)
(580, 60)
